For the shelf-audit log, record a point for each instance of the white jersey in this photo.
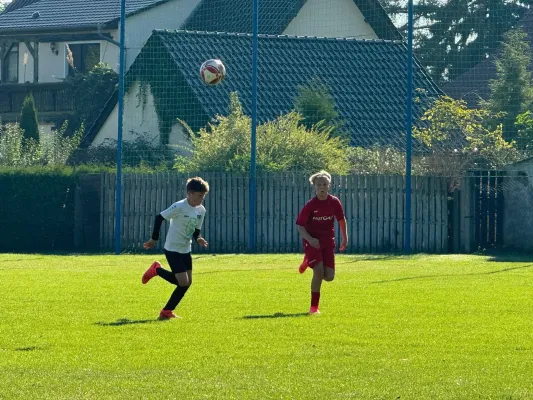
(184, 219)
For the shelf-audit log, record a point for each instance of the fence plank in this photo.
(373, 205)
(393, 213)
(425, 222)
(435, 215)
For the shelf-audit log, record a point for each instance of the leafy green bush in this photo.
(38, 208)
(90, 92)
(53, 149)
(282, 145)
(139, 155)
(462, 138)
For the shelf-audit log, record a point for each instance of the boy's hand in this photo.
(314, 242)
(343, 245)
(150, 244)
(202, 242)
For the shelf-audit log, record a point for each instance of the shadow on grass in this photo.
(454, 275)
(29, 348)
(275, 315)
(21, 260)
(126, 321)
(514, 256)
(370, 257)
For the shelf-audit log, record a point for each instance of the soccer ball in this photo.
(212, 72)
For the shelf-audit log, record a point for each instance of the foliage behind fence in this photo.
(37, 212)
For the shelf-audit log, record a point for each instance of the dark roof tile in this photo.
(371, 104)
(65, 14)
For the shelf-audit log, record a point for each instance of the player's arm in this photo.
(200, 240)
(341, 218)
(301, 221)
(150, 244)
(344, 233)
(305, 235)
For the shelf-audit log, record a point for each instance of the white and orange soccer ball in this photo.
(212, 72)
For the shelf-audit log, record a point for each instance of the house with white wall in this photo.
(348, 19)
(365, 78)
(36, 36)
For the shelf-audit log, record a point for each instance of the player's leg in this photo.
(329, 273)
(329, 264)
(316, 283)
(168, 276)
(179, 264)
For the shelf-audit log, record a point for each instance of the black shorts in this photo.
(179, 262)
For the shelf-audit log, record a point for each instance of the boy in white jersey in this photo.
(186, 218)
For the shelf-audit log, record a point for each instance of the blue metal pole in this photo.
(118, 197)
(408, 126)
(252, 189)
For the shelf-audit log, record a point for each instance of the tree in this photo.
(284, 144)
(315, 104)
(452, 36)
(28, 119)
(459, 138)
(511, 93)
(524, 125)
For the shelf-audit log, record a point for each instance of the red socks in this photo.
(315, 298)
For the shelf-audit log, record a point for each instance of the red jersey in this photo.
(317, 217)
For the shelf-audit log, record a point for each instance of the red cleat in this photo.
(303, 266)
(166, 314)
(150, 272)
(314, 310)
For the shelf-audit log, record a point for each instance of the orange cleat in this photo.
(150, 272)
(166, 314)
(303, 266)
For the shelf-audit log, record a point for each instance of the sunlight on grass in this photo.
(418, 327)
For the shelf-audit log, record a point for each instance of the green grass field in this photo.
(419, 327)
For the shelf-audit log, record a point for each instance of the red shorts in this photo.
(325, 254)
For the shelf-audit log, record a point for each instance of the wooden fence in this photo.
(374, 208)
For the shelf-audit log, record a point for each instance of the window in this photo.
(84, 56)
(10, 72)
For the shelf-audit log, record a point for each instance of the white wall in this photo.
(139, 27)
(52, 67)
(109, 52)
(139, 120)
(338, 18)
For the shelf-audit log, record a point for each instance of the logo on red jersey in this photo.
(326, 218)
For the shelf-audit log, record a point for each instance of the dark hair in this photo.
(197, 184)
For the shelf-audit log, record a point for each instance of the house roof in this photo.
(274, 17)
(474, 84)
(67, 14)
(209, 15)
(366, 79)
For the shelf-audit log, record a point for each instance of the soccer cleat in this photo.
(166, 314)
(303, 266)
(314, 310)
(151, 272)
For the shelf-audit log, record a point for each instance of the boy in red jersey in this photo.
(316, 226)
